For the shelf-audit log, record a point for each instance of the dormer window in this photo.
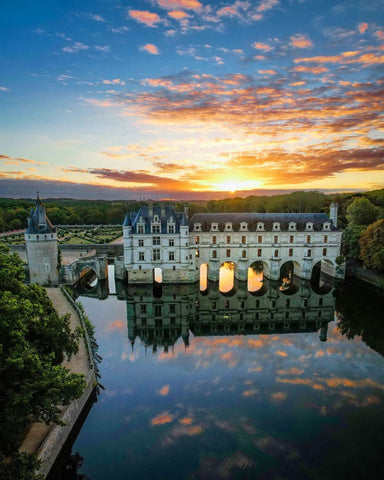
(326, 226)
(292, 226)
(214, 226)
(276, 226)
(260, 226)
(140, 228)
(309, 226)
(156, 218)
(228, 226)
(243, 226)
(197, 227)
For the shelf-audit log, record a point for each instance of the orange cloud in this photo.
(186, 421)
(280, 353)
(178, 14)
(363, 27)
(143, 16)
(150, 48)
(300, 41)
(314, 70)
(179, 4)
(164, 390)
(267, 5)
(262, 46)
(116, 325)
(250, 393)
(162, 418)
(278, 396)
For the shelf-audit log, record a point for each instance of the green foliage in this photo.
(351, 236)
(372, 246)
(362, 212)
(20, 466)
(33, 342)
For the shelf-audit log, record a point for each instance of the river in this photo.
(285, 382)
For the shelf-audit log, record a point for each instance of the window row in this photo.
(228, 239)
(276, 226)
(156, 229)
(308, 253)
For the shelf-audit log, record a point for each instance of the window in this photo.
(171, 256)
(244, 254)
(172, 308)
(324, 252)
(309, 252)
(260, 226)
(140, 229)
(171, 242)
(308, 238)
(260, 239)
(141, 256)
(309, 226)
(292, 226)
(197, 240)
(288, 303)
(276, 226)
(214, 239)
(326, 226)
(325, 238)
(157, 310)
(290, 252)
(228, 226)
(291, 239)
(213, 226)
(197, 227)
(276, 239)
(228, 252)
(243, 226)
(197, 254)
(156, 254)
(141, 242)
(320, 302)
(171, 229)
(155, 240)
(214, 253)
(143, 308)
(243, 239)
(155, 228)
(259, 252)
(228, 239)
(276, 253)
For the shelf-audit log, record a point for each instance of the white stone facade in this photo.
(213, 239)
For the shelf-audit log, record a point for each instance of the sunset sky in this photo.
(174, 98)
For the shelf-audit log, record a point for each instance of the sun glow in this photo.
(236, 185)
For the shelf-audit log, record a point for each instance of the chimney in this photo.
(186, 212)
(162, 210)
(150, 209)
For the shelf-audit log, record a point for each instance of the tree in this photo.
(33, 342)
(362, 212)
(372, 246)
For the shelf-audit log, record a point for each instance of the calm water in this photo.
(268, 385)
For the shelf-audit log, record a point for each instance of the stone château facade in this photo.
(159, 239)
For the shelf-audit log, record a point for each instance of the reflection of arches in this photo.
(255, 276)
(227, 277)
(203, 277)
(157, 275)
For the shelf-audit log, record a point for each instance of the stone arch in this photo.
(288, 271)
(87, 276)
(322, 270)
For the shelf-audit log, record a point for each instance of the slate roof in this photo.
(252, 219)
(164, 213)
(34, 226)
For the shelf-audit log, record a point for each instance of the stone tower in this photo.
(42, 251)
(333, 213)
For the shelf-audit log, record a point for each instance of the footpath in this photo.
(47, 440)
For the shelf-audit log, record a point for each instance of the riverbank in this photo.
(44, 440)
(354, 269)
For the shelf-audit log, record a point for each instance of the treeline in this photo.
(14, 212)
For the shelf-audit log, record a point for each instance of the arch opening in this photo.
(320, 283)
(88, 277)
(255, 277)
(157, 275)
(227, 277)
(203, 277)
(288, 272)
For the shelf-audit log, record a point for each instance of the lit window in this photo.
(259, 252)
(197, 253)
(244, 254)
(276, 253)
(276, 239)
(228, 239)
(324, 252)
(325, 238)
(197, 240)
(260, 239)
(214, 254)
(214, 240)
(243, 239)
(228, 252)
(291, 252)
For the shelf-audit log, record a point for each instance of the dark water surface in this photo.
(269, 385)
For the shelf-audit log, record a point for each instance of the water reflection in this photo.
(240, 386)
(160, 322)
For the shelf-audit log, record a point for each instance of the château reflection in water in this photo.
(239, 384)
